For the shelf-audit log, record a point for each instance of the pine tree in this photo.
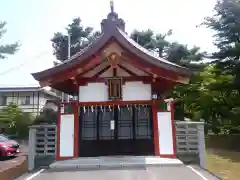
(9, 48)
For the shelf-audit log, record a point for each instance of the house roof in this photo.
(28, 89)
(19, 89)
(113, 27)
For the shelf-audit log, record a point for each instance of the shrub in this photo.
(47, 116)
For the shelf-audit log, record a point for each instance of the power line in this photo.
(22, 64)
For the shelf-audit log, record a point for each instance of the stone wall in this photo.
(12, 169)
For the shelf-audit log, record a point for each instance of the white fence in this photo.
(189, 138)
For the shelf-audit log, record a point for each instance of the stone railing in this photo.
(190, 142)
(189, 138)
(42, 143)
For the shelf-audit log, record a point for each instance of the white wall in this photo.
(93, 92)
(131, 91)
(67, 135)
(165, 133)
(136, 91)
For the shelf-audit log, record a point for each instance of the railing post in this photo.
(201, 144)
(31, 150)
(55, 152)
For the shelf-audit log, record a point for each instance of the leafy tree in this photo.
(191, 58)
(172, 51)
(147, 39)
(80, 37)
(9, 48)
(226, 25)
(16, 120)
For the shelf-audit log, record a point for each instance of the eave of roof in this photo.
(145, 54)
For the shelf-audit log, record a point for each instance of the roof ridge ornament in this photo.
(112, 20)
(112, 6)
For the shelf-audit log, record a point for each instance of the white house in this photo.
(29, 99)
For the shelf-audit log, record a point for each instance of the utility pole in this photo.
(69, 46)
(69, 55)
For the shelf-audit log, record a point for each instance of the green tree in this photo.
(152, 42)
(172, 51)
(80, 37)
(16, 120)
(226, 25)
(191, 58)
(9, 48)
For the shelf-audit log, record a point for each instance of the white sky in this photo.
(33, 23)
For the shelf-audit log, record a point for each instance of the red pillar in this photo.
(173, 129)
(58, 133)
(155, 127)
(76, 129)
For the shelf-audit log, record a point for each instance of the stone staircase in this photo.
(107, 162)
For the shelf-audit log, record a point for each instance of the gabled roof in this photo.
(113, 27)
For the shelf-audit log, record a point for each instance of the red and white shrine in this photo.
(121, 88)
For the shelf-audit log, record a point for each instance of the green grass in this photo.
(224, 163)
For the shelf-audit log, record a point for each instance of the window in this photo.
(3, 100)
(3, 138)
(114, 88)
(25, 100)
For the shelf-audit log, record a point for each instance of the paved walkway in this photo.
(149, 173)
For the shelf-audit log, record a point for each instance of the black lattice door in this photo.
(118, 130)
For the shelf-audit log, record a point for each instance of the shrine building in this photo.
(121, 89)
